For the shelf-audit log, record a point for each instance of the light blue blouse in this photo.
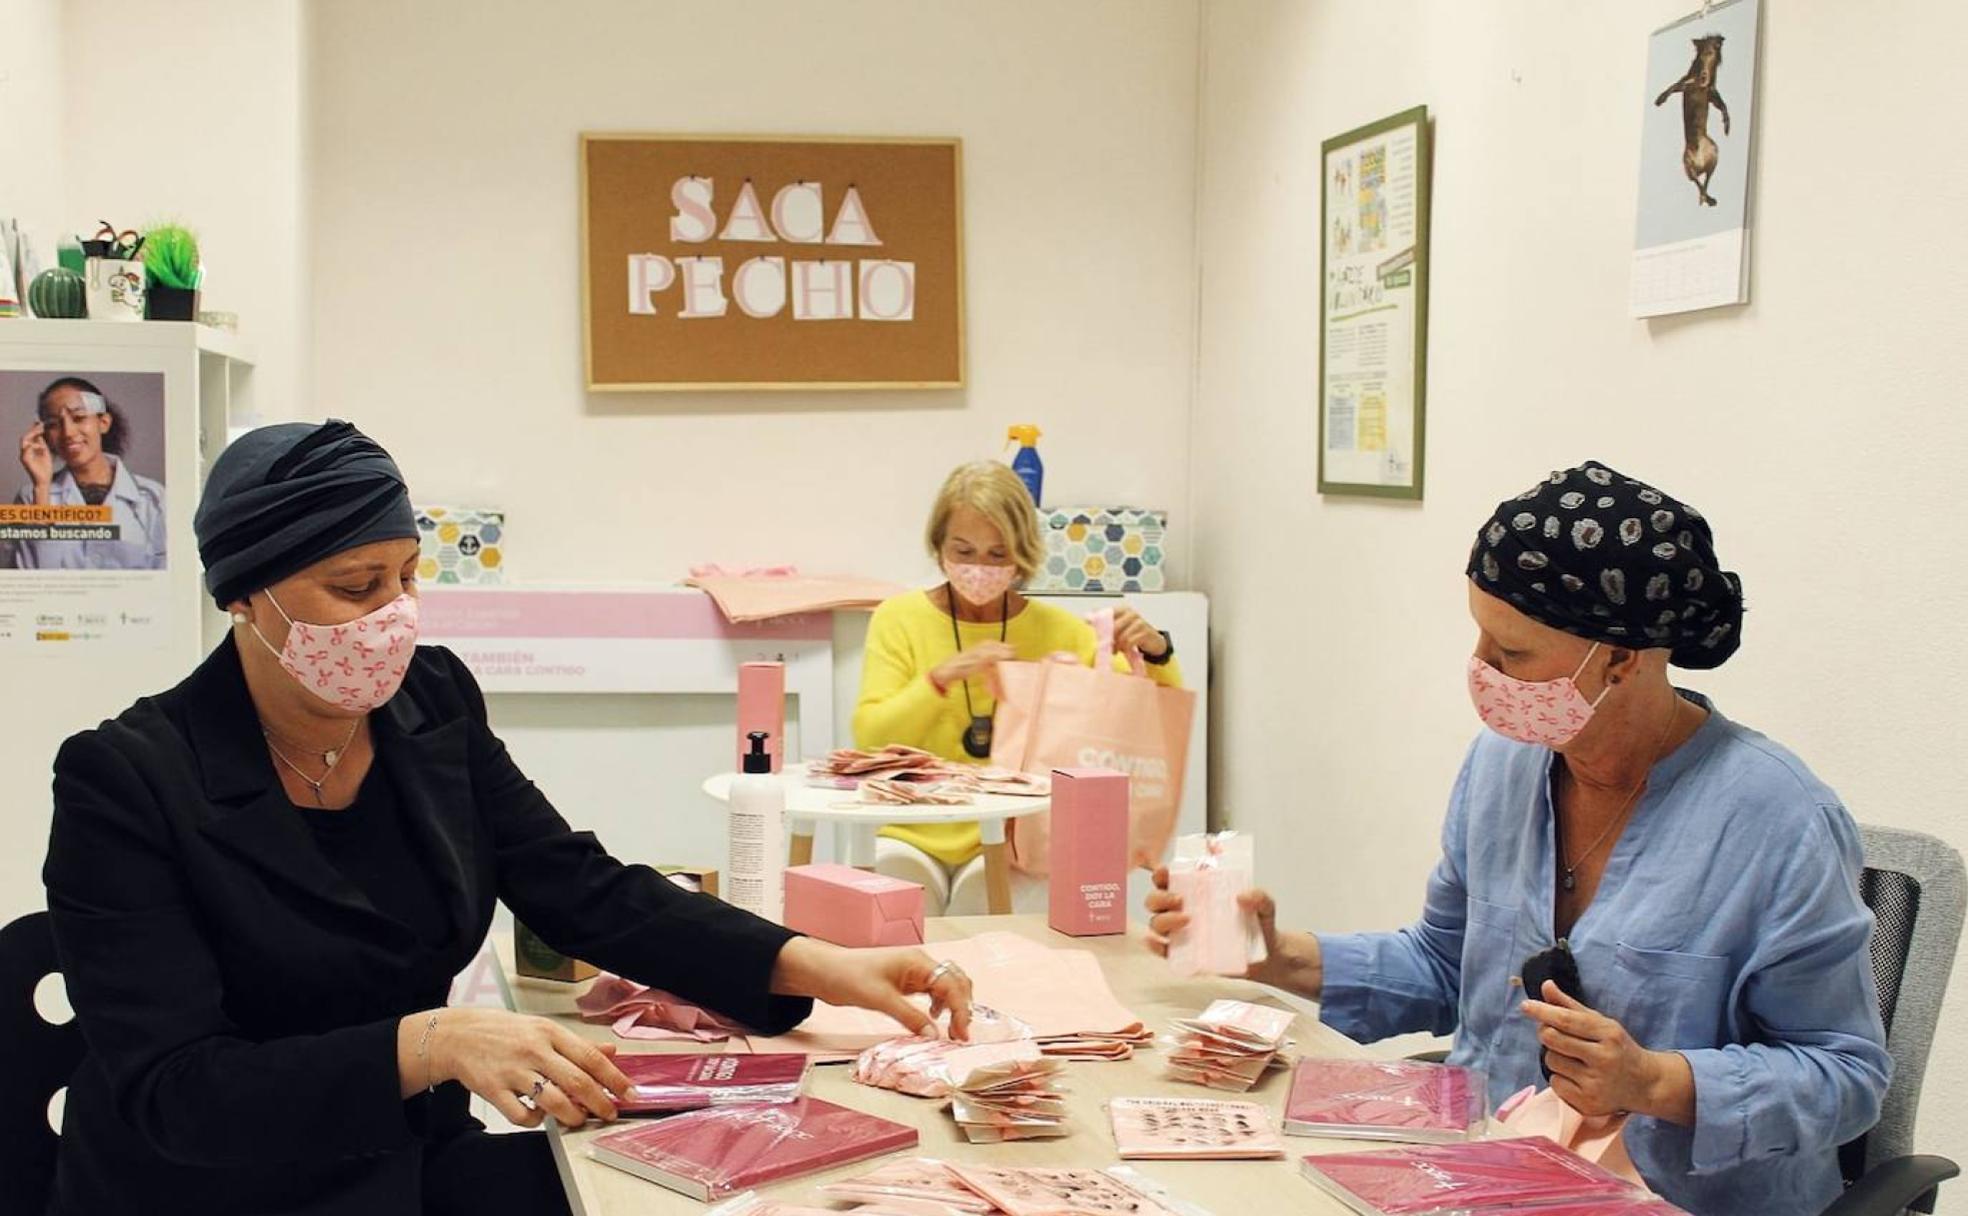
(1728, 926)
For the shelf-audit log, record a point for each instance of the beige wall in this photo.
(1819, 427)
(444, 261)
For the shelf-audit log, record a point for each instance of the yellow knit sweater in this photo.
(908, 637)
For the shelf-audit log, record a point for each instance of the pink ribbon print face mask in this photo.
(355, 666)
(1547, 712)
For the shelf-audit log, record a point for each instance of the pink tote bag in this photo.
(1064, 715)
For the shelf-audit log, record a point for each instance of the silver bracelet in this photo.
(423, 1053)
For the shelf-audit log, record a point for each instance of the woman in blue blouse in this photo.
(1704, 881)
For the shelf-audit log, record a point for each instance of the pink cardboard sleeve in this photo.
(762, 706)
(851, 907)
(1088, 877)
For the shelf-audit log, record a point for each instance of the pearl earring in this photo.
(239, 618)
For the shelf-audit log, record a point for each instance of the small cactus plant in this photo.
(59, 292)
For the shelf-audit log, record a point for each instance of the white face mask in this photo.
(357, 665)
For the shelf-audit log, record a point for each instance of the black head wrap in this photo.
(1610, 559)
(283, 497)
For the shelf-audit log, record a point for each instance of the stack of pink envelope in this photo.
(1230, 1045)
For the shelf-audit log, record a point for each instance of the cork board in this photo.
(766, 262)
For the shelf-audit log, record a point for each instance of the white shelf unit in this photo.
(61, 688)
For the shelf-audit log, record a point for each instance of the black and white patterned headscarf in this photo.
(1613, 560)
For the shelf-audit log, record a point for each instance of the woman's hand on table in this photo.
(500, 1056)
(981, 659)
(881, 980)
(1598, 1069)
(1133, 632)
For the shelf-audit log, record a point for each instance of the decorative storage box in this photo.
(459, 545)
(851, 907)
(1102, 550)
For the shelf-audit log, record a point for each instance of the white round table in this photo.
(856, 825)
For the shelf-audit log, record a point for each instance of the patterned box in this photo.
(461, 545)
(1102, 550)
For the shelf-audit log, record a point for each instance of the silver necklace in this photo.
(1571, 870)
(332, 757)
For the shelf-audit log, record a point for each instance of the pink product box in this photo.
(1089, 873)
(851, 907)
(762, 706)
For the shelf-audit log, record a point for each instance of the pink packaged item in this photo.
(761, 706)
(1229, 1046)
(1089, 877)
(1208, 874)
(1062, 994)
(666, 1083)
(1601, 1138)
(911, 1179)
(709, 1154)
(641, 1012)
(1385, 1100)
(1193, 1129)
(1456, 1179)
(851, 907)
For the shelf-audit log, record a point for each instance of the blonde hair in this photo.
(995, 492)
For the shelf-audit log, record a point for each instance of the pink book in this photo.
(1384, 1100)
(1183, 1129)
(1481, 1176)
(663, 1084)
(708, 1154)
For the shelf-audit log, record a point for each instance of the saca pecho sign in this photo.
(755, 263)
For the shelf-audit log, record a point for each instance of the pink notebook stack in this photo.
(1476, 1179)
(708, 1154)
(1385, 1100)
(1193, 1129)
(664, 1084)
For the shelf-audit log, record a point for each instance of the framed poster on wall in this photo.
(1373, 307)
(765, 262)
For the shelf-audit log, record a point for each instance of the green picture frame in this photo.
(1383, 412)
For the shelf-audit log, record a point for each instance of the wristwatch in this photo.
(1162, 659)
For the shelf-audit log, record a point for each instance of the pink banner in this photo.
(682, 615)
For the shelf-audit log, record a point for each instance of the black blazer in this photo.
(240, 998)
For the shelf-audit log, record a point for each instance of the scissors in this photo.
(122, 246)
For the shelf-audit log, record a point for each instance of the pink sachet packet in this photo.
(1208, 874)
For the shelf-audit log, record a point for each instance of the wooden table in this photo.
(1144, 985)
(807, 803)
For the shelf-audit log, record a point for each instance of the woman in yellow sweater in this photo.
(929, 678)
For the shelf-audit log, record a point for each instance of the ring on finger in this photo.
(531, 1099)
(946, 968)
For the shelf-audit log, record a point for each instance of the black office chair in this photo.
(36, 1060)
(1916, 888)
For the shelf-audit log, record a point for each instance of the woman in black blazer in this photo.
(262, 882)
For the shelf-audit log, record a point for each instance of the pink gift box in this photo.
(851, 907)
(1088, 871)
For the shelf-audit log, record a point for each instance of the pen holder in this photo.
(115, 289)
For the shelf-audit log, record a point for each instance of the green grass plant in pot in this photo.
(170, 258)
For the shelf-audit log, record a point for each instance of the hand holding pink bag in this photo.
(1064, 715)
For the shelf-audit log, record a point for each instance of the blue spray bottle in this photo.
(1026, 462)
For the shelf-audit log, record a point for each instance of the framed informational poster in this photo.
(1373, 307)
(764, 262)
(1691, 244)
